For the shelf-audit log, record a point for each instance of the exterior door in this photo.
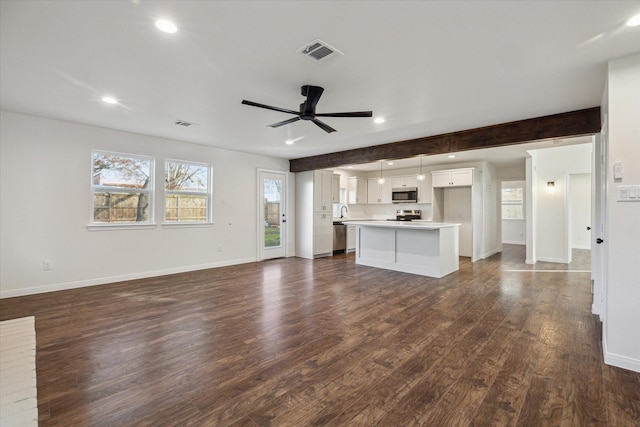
(272, 220)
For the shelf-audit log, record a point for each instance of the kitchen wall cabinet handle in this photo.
(599, 240)
(588, 228)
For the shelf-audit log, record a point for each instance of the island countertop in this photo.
(418, 225)
(418, 247)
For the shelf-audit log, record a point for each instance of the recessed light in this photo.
(451, 156)
(390, 163)
(109, 100)
(166, 26)
(634, 21)
(379, 120)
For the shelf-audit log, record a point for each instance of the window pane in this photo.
(112, 170)
(512, 212)
(188, 177)
(186, 208)
(512, 195)
(111, 207)
(272, 208)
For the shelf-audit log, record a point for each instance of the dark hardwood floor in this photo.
(326, 342)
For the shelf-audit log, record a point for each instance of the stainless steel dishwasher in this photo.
(339, 237)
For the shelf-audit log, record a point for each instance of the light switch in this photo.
(628, 193)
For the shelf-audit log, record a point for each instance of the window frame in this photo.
(149, 191)
(520, 202)
(208, 194)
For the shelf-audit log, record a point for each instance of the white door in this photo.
(272, 220)
(598, 250)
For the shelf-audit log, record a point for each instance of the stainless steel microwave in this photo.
(404, 195)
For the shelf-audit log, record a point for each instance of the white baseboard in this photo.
(493, 252)
(121, 278)
(618, 360)
(581, 247)
(513, 242)
(556, 260)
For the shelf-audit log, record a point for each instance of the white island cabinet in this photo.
(428, 249)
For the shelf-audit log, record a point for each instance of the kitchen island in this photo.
(425, 248)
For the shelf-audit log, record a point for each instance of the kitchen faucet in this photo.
(344, 207)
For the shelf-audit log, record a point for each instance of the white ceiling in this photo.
(428, 67)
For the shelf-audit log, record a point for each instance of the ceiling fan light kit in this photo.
(308, 109)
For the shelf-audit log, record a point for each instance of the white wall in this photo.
(621, 321)
(45, 203)
(550, 205)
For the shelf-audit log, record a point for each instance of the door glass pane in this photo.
(272, 212)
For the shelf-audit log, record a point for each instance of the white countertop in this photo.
(419, 225)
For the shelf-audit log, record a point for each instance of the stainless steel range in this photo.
(407, 215)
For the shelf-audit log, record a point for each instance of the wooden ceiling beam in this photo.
(563, 125)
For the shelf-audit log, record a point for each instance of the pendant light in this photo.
(381, 179)
(421, 175)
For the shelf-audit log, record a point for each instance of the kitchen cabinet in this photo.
(452, 178)
(357, 191)
(322, 188)
(314, 217)
(425, 190)
(462, 204)
(335, 188)
(351, 238)
(378, 193)
(322, 233)
(404, 181)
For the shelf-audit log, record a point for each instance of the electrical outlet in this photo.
(47, 265)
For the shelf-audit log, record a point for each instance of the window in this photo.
(187, 191)
(122, 188)
(512, 202)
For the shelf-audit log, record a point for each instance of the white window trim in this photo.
(93, 226)
(209, 194)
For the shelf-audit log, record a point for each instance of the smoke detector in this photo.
(319, 51)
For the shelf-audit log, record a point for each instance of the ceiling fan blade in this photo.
(313, 94)
(285, 122)
(324, 126)
(352, 114)
(269, 107)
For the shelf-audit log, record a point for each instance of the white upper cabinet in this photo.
(404, 181)
(357, 191)
(452, 178)
(378, 193)
(322, 189)
(335, 188)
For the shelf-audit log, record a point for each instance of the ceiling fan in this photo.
(308, 109)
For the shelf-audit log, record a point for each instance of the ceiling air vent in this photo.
(183, 123)
(319, 51)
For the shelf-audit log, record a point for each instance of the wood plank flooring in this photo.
(295, 342)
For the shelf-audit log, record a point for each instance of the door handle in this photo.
(599, 240)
